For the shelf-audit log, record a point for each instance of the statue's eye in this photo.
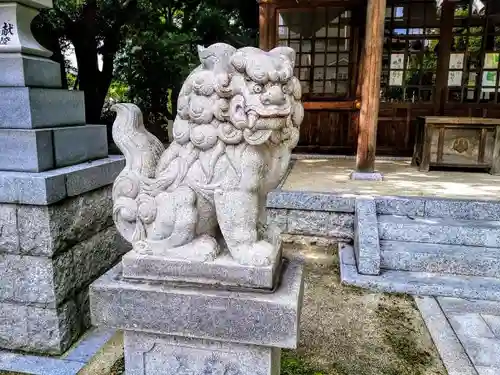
(258, 89)
(285, 89)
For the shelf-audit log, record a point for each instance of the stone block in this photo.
(26, 150)
(150, 354)
(418, 283)
(400, 206)
(366, 240)
(31, 188)
(267, 319)
(493, 322)
(438, 258)
(73, 145)
(48, 230)
(49, 187)
(36, 150)
(321, 223)
(470, 324)
(441, 231)
(298, 200)
(22, 70)
(367, 176)
(9, 239)
(457, 306)
(31, 108)
(27, 279)
(83, 178)
(481, 350)
(221, 271)
(278, 218)
(38, 329)
(49, 281)
(453, 355)
(94, 256)
(462, 209)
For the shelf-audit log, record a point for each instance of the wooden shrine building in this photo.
(369, 68)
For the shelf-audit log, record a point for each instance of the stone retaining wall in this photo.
(48, 257)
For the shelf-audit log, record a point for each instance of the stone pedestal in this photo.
(56, 228)
(195, 329)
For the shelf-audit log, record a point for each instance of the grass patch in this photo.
(399, 334)
(292, 365)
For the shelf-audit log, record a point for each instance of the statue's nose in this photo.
(274, 96)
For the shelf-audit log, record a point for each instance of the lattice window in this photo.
(410, 51)
(475, 54)
(322, 39)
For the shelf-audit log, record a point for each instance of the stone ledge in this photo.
(37, 150)
(297, 200)
(49, 187)
(418, 283)
(240, 317)
(460, 209)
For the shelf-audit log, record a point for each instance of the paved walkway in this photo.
(331, 175)
(466, 333)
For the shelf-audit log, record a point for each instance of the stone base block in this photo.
(362, 176)
(49, 187)
(255, 318)
(32, 108)
(222, 271)
(188, 264)
(41, 150)
(40, 329)
(21, 70)
(151, 354)
(47, 231)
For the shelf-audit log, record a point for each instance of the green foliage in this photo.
(291, 365)
(148, 47)
(160, 54)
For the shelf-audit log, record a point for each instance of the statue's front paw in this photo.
(260, 254)
(142, 247)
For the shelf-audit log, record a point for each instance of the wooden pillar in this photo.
(444, 49)
(263, 25)
(371, 61)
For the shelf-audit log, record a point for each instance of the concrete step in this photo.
(418, 283)
(439, 231)
(439, 258)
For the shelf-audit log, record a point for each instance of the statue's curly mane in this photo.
(211, 104)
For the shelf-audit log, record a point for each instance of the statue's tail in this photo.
(142, 150)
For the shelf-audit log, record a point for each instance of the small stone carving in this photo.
(238, 120)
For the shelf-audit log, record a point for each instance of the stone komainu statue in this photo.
(238, 119)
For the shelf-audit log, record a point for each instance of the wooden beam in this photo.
(370, 87)
(344, 105)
